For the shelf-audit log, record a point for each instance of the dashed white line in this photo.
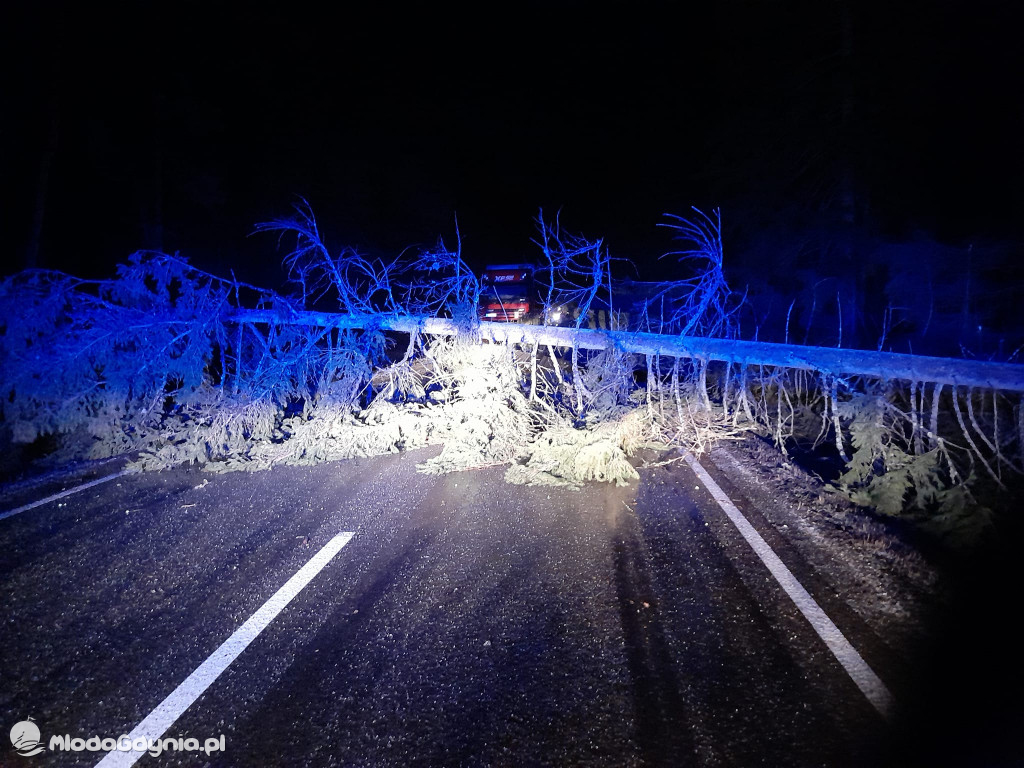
(870, 684)
(182, 697)
(61, 495)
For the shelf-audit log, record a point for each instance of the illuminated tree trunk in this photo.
(533, 371)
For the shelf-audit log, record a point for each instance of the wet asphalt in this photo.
(468, 622)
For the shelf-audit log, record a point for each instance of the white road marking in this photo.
(61, 495)
(171, 708)
(869, 683)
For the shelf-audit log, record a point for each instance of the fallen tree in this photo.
(183, 366)
(947, 371)
(897, 420)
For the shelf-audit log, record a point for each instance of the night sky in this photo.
(179, 126)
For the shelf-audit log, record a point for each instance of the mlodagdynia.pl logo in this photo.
(25, 738)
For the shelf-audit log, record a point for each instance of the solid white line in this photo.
(869, 683)
(171, 708)
(61, 495)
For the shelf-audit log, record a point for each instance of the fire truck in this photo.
(508, 294)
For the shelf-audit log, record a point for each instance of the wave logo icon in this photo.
(25, 738)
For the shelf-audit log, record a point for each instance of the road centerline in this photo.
(863, 676)
(181, 698)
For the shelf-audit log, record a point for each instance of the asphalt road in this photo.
(467, 622)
